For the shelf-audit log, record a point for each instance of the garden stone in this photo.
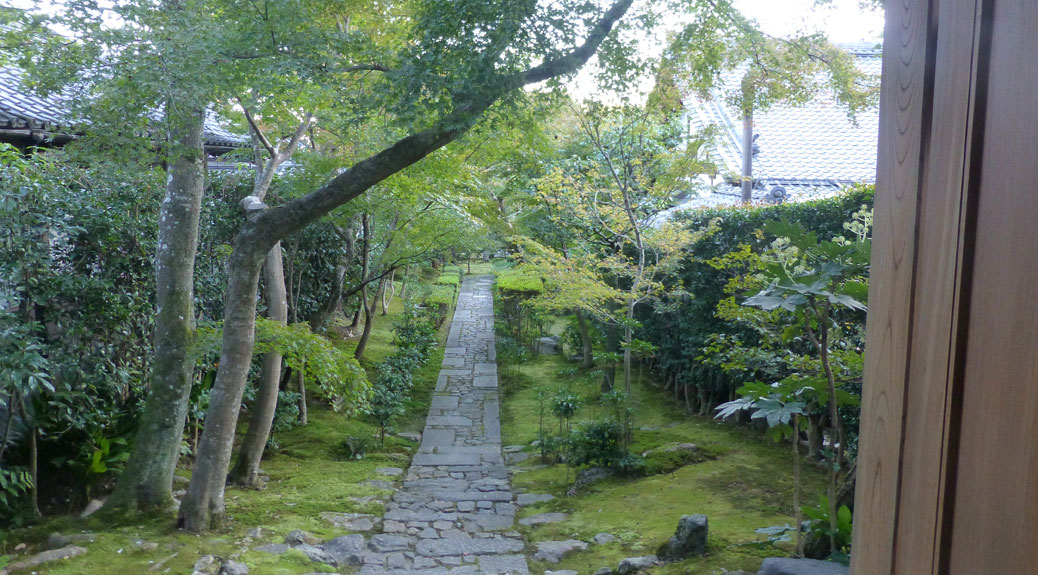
(603, 538)
(604, 571)
(786, 566)
(351, 521)
(636, 564)
(533, 498)
(208, 565)
(316, 554)
(234, 568)
(689, 539)
(347, 550)
(512, 448)
(554, 551)
(587, 477)
(561, 572)
(57, 540)
(390, 471)
(543, 518)
(517, 457)
(386, 542)
(299, 537)
(44, 557)
(273, 548)
(180, 480)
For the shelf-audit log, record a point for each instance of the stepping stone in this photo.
(513, 448)
(273, 548)
(554, 551)
(517, 457)
(603, 538)
(533, 498)
(498, 564)
(386, 542)
(543, 518)
(444, 547)
(347, 550)
(390, 471)
(352, 521)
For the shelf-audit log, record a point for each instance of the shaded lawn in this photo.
(744, 485)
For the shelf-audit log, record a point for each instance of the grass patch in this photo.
(739, 479)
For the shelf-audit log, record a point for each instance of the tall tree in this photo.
(455, 92)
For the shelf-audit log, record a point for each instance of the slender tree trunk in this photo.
(796, 484)
(246, 469)
(585, 340)
(369, 320)
(403, 283)
(609, 371)
(747, 156)
(747, 140)
(301, 388)
(147, 481)
(203, 506)
(628, 337)
(387, 293)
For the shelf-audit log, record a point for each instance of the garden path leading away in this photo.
(455, 512)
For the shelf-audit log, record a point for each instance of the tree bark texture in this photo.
(147, 481)
(203, 506)
(246, 469)
(585, 340)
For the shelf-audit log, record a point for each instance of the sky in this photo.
(843, 22)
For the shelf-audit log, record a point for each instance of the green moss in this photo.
(739, 479)
(510, 280)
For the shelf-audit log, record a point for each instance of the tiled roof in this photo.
(21, 109)
(810, 150)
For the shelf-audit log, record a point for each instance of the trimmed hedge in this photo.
(681, 334)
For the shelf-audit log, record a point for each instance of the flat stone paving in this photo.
(455, 513)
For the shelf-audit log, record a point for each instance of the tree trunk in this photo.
(301, 387)
(246, 469)
(796, 483)
(747, 140)
(387, 293)
(203, 506)
(585, 340)
(814, 435)
(369, 320)
(147, 481)
(609, 371)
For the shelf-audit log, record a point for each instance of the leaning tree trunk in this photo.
(585, 340)
(246, 469)
(369, 320)
(147, 481)
(203, 506)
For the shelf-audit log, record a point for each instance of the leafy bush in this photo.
(598, 443)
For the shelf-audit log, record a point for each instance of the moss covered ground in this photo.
(308, 474)
(742, 481)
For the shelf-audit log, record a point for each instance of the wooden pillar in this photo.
(948, 467)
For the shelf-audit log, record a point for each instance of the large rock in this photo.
(554, 551)
(689, 539)
(45, 557)
(636, 564)
(347, 550)
(234, 568)
(207, 565)
(316, 554)
(786, 566)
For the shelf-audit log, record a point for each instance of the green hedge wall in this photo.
(683, 330)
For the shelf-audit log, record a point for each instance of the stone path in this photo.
(455, 513)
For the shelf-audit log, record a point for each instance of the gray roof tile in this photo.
(21, 108)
